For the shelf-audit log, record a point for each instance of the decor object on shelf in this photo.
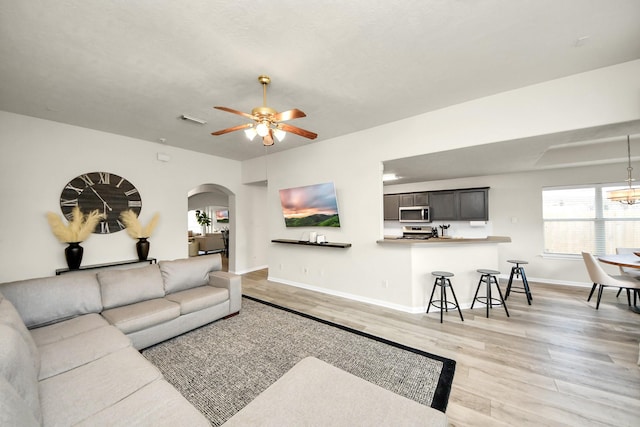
(310, 206)
(104, 191)
(78, 229)
(631, 195)
(137, 231)
(267, 121)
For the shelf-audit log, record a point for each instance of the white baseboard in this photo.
(386, 304)
(404, 308)
(249, 270)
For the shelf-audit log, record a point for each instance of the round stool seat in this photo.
(442, 274)
(517, 261)
(487, 271)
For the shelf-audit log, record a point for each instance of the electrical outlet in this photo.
(385, 284)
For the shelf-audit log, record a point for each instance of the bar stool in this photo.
(442, 280)
(488, 277)
(519, 273)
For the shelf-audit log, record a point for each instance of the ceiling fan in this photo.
(267, 122)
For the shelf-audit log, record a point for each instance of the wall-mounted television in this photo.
(310, 206)
(222, 215)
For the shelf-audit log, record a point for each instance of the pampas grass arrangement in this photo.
(79, 227)
(135, 228)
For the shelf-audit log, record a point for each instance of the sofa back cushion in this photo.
(52, 299)
(16, 368)
(10, 317)
(124, 287)
(181, 274)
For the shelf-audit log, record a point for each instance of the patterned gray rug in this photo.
(223, 366)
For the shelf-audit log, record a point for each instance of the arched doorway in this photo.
(214, 199)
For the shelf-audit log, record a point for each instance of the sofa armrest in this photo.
(233, 283)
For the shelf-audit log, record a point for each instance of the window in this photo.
(583, 219)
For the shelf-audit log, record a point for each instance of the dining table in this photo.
(623, 260)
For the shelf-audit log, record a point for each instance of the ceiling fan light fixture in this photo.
(250, 133)
(627, 196)
(279, 134)
(262, 129)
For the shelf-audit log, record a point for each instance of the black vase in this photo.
(142, 247)
(73, 254)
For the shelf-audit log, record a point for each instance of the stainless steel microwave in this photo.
(414, 214)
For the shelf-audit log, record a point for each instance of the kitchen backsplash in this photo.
(467, 229)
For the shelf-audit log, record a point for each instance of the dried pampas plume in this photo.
(79, 227)
(135, 228)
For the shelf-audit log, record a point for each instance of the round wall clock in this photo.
(110, 194)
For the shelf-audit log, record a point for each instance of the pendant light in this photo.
(627, 196)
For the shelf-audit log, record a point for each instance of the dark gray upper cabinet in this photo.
(414, 199)
(473, 204)
(470, 204)
(391, 205)
(443, 205)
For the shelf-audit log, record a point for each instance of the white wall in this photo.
(39, 157)
(354, 163)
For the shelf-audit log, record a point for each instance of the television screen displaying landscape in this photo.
(310, 206)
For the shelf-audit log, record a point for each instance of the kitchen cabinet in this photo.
(391, 205)
(414, 199)
(443, 205)
(471, 204)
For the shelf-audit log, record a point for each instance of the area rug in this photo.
(223, 366)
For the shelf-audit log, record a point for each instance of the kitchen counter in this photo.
(460, 256)
(444, 241)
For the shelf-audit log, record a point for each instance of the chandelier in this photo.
(627, 196)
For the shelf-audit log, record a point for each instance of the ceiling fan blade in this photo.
(239, 127)
(267, 140)
(289, 115)
(240, 113)
(293, 129)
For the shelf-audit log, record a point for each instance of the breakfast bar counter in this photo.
(460, 256)
(442, 241)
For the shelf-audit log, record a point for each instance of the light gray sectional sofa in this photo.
(68, 344)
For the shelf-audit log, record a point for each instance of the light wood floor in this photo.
(556, 362)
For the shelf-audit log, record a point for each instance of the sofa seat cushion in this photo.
(67, 328)
(123, 287)
(182, 274)
(316, 393)
(198, 298)
(142, 315)
(80, 349)
(156, 404)
(75, 395)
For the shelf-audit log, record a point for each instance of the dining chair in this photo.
(602, 279)
(633, 272)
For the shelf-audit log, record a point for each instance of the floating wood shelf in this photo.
(306, 243)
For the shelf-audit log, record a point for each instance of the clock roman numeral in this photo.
(120, 182)
(130, 192)
(86, 179)
(121, 225)
(71, 202)
(69, 216)
(104, 227)
(135, 203)
(105, 177)
(71, 187)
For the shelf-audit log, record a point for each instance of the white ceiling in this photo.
(133, 68)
